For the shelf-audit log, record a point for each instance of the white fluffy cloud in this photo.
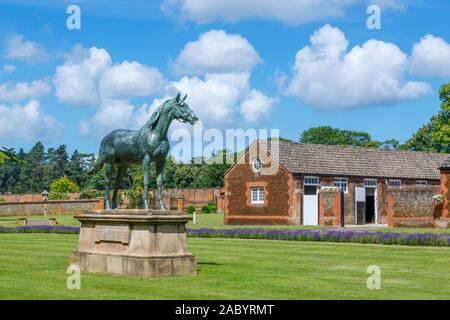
(215, 74)
(211, 100)
(256, 106)
(115, 113)
(112, 114)
(88, 76)
(77, 79)
(329, 77)
(431, 57)
(218, 67)
(17, 48)
(23, 90)
(27, 122)
(217, 52)
(130, 79)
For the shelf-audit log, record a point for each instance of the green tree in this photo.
(435, 135)
(335, 136)
(31, 177)
(63, 185)
(57, 164)
(10, 169)
(185, 175)
(8, 155)
(76, 168)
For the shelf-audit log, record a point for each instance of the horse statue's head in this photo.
(181, 111)
(175, 108)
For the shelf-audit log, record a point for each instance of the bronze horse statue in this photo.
(122, 148)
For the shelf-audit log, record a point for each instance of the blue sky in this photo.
(235, 60)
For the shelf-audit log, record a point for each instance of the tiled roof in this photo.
(317, 159)
(446, 164)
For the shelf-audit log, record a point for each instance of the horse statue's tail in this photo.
(98, 165)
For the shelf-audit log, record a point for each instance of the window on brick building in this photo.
(257, 194)
(311, 181)
(421, 183)
(341, 183)
(256, 165)
(370, 183)
(394, 183)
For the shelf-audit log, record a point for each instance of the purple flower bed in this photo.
(327, 235)
(41, 229)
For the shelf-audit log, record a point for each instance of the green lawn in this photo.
(33, 266)
(209, 221)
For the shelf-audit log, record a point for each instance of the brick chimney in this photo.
(445, 188)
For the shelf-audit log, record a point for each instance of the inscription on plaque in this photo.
(112, 233)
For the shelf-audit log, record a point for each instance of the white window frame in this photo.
(256, 170)
(421, 183)
(395, 182)
(311, 181)
(339, 180)
(369, 183)
(259, 195)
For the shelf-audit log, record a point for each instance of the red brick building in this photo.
(309, 184)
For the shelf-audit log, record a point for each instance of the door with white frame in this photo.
(311, 201)
(360, 205)
(371, 200)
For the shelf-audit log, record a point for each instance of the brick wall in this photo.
(330, 207)
(279, 189)
(70, 207)
(195, 197)
(36, 197)
(411, 206)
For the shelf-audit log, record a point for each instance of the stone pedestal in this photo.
(140, 243)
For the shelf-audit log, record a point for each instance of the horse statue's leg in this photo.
(121, 170)
(145, 168)
(159, 182)
(108, 169)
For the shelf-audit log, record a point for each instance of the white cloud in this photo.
(23, 90)
(88, 76)
(216, 52)
(431, 57)
(130, 79)
(17, 48)
(115, 113)
(8, 68)
(27, 122)
(212, 100)
(77, 79)
(219, 67)
(291, 12)
(328, 77)
(288, 11)
(112, 114)
(256, 106)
